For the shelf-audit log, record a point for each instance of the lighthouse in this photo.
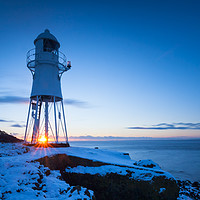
(46, 121)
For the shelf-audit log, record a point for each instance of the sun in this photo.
(42, 139)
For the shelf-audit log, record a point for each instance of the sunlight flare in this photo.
(42, 139)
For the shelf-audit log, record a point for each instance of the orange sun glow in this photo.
(42, 139)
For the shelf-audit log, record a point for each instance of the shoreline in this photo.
(176, 161)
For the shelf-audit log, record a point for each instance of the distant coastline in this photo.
(110, 138)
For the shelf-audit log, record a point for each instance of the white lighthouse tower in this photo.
(46, 118)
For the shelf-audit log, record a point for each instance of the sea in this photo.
(181, 158)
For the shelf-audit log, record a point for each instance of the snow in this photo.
(12, 149)
(190, 189)
(31, 181)
(20, 178)
(184, 197)
(111, 157)
(137, 174)
(162, 190)
(147, 163)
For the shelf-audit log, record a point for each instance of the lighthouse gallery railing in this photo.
(62, 61)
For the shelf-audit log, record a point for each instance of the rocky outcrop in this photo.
(83, 173)
(22, 179)
(12, 149)
(116, 182)
(6, 138)
(190, 189)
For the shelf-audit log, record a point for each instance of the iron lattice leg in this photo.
(64, 121)
(35, 129)
(55, 120)
(46, 120)
(27, 121)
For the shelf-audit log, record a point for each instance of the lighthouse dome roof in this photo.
(46, 35)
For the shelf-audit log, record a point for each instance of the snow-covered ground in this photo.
(22, 179)
(11, 149)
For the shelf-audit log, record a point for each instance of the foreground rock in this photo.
(12, 149)
(81, 173)
(114, 181)
(22, 179)
(109, 181)
(189, 189)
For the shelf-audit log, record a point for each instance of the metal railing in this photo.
(62, 61)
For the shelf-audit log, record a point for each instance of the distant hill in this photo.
(6, 138)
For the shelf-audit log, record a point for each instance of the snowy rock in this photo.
(79, 173)
(12, 149)
(22, 179)
(147, 163)
(189, 190)
(162, 190)
(112, 181)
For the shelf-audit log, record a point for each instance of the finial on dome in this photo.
(47, 31)
(46, 35)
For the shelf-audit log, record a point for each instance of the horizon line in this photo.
(112, 138)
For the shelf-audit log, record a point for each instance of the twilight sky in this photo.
(135, 65)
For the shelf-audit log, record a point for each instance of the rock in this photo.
(147, 163)
(6, 138)
(196, 184)
(124, 185)
(189, 189)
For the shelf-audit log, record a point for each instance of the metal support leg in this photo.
(38, 120)
(64, 121)
(35, 129)
(27, 121)
(55, 120)
(46, 120)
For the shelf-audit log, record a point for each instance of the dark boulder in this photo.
(6, 138)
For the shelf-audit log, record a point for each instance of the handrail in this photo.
(31, 61)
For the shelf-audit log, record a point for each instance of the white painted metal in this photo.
(46, 81)
(56, 130)
(46, 76)
(27, 121)
(35, 128)
(47, 64)
(46, 119)
(64, 122)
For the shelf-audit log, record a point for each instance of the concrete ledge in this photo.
(48, 145)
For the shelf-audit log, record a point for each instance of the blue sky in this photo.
(135, 65)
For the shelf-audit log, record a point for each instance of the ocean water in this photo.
(181, 158)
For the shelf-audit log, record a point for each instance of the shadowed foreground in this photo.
(112, 185)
